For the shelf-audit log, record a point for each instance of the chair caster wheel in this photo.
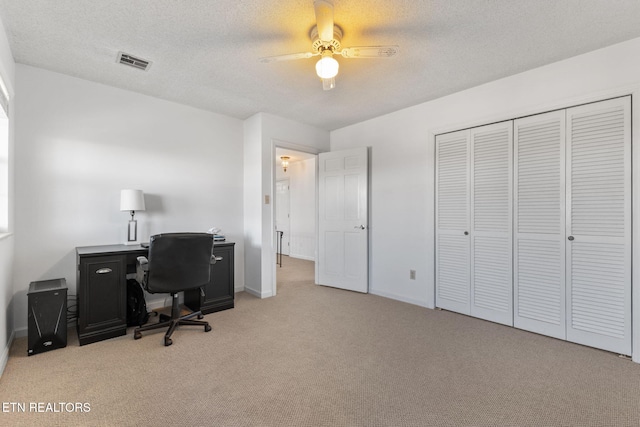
(137, 335)
(167, 341)
(200, 316)
(207, 328)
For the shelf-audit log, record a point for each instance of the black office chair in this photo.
(177, 262)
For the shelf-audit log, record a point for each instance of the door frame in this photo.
(564, 103)
(278, 143)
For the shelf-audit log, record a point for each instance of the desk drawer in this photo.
(102, 296)
(219, 292)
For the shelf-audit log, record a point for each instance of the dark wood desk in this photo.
(101, 288)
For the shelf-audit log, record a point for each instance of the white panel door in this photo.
(598, 225)
(539, 222)
(343, 221)
(453, 222)
(491, 207)
(283, 214)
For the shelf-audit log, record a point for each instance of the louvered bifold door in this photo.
(491, 207)
(539, 222)
(599, 225)
(452, 221)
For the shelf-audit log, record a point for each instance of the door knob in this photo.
(361, 227)
(466, 233)
(570, 237)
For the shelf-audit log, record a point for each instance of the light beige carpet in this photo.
(317, 356)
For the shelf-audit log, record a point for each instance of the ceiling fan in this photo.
(325, 42)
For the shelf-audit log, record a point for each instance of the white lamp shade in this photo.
(131, 200)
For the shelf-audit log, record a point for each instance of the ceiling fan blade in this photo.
(369, 51)
(288, 57)
(324, 19)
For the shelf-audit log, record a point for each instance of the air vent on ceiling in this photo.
(139, 63)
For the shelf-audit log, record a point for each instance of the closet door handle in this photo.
(466, 233)
(570, 238)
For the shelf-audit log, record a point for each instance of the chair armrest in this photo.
(142, 267)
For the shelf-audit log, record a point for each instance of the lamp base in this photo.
(132, 233)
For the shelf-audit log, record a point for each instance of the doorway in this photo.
(295, 216)
(283, 217)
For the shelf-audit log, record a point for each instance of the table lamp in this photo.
(132, 200)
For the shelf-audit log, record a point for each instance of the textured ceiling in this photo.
(205, 53)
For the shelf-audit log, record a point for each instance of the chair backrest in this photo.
(179, 261)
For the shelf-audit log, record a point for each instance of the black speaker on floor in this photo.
(47, 301)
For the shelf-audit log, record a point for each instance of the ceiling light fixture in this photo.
(327, 67)
(328, 84)
(285, 162)
(326, 39)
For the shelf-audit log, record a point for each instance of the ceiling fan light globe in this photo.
(328, 84)
(327, 67)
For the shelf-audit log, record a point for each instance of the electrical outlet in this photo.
(412, 274)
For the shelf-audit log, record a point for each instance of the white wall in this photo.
(302, 194)
(402, 187)
(7, 303)
(402, 178)
(79, 143)
(6, 299)
(252, 169)
(262, 133)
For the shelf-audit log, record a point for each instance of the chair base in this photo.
(172, 322)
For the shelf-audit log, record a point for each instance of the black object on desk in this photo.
(47, 318)
(102, 288)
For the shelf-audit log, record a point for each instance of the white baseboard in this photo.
(396, 297)
(304, 257)
(21, 333)
(258, 294)
(5, 353)
(158, 304)
(158, 301)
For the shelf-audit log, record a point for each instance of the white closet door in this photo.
(599, 225)
(491, 208)
(539, 221)
(452, 222)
